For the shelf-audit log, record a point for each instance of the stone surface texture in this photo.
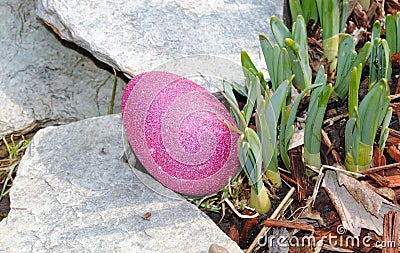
(43, 82)
(74, 193)
(137, 36)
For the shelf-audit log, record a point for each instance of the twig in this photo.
(336, 118)
(377, 169)
(317, 186)
(395, 96)
(281, 208)
(284, 177)
(342, 170)
(243, 216)
(288, 224)
(328, 143)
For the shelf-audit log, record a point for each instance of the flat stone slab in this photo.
(43, 82)
(137, 36)
(74, 193)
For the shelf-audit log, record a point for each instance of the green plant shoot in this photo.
(316, 111)
(329, 17)
(347, 60)
(380, 63)
(249, 150)
(364, 121)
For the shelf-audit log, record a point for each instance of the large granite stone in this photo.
(74, 193)
(43, 82)
(137, 36)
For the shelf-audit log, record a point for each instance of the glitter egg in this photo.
(178, 131)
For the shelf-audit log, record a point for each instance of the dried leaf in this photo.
(387, 193)
(297, 139)
(384, 191)
(357, 205)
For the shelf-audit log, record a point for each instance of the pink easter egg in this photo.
(174, 128)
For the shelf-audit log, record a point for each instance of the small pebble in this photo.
(215, 248)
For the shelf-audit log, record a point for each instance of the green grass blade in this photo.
(309, 10)
(254, 92)
(256, 157)
(239, 89)
(267, 142)
(280, 31)
(241, 120)
(235, 112)
(283, 152)
(369, 110)
(300, 36)
(229, 93)
(398, 31)
(284, 71)
(342, 85)
(247, 63)
(312, 132)
(246, 163)
(385, 129)
(268, 52)
(286, 133)
(386, 61)
(374, 61)
(353, 90)
(391, 32)
(344, 13)
(333, 15)
(345, 57)
(300, 66)
(295, 9)
(348, 136)
(329, 17)
(249, 69)
(277, 101)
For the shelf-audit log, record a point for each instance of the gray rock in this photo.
(43, 82)
(137, 36)
(74, 193)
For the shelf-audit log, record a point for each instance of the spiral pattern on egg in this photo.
(174, 127)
